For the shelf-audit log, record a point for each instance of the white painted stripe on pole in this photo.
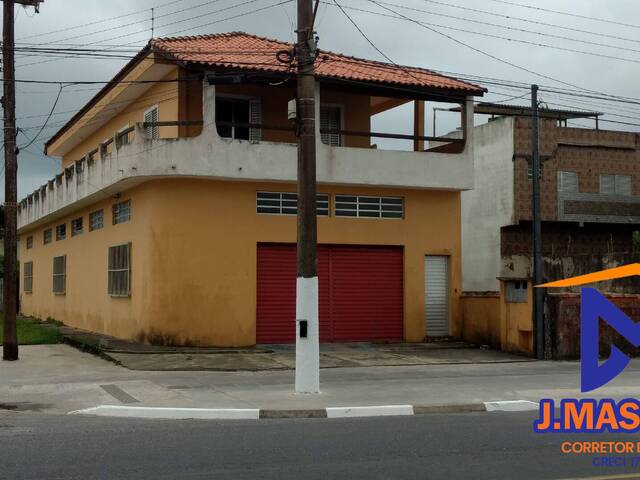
(171, 413)
(511, 406)
(379, 411)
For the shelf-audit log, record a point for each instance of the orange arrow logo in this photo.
(610, 274)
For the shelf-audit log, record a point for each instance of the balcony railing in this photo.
(109, 171)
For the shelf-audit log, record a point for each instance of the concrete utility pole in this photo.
(10, 344)
(307, 324)
(538, 293)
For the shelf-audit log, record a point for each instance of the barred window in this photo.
(60, 275)
(282, 203)
(28, 277)
(120, 270)
(29, 242)
(76, 227)
(96, 220)
(47, 236)
(369, 207)
(61, 232)
(122, 212)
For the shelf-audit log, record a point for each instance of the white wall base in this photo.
(307, 349)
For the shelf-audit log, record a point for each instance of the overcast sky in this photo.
(403, 41)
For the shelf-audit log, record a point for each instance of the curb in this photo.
(170, 413)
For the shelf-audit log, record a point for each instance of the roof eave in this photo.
(98, 96)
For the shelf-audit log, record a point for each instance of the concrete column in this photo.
(418, 125)
(209, 109)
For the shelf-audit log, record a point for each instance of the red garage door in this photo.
(361, 293)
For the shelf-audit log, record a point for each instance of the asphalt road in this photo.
(473, 445)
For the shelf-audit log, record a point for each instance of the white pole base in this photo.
(307, 348)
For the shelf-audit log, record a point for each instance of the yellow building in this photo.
(173, 220)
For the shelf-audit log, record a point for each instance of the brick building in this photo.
(590, 208)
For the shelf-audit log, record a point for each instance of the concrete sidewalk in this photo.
(138, 356)
(60, 379)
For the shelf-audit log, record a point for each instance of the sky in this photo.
(82, 22)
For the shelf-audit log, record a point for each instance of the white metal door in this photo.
(436, 298)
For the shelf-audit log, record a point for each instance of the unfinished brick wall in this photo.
(564, 315)
(587, 152)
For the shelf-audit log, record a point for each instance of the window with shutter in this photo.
(568, 182)
(231, 113)
(60, 275)
(151, 116)
(255, 115)
(623, 184)
(331, 119)
(608, 184)
(28, 277)
(120, 270)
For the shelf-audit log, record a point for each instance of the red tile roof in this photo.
(242, 51)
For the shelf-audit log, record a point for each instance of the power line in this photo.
(506, 27)
(84, 25)
(489, 35)
(487, 54)
(233, 17)
(528, 20)
(585, 17)
(175, 12)
(55, 103)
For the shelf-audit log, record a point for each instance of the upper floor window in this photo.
(61, 232)
(369, 207)
(77, 227)
(233, 116)
(282, 203)
(331, 119)
(122, 212)
(29, 242)
(152, 116)
(611, 184)
(568, 182)
(47, 236)
(96, 220)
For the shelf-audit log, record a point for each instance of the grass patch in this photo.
(31, 332)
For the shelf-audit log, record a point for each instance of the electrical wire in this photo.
(529, 20)
(557, 12)
(55, 104)
(506, 27)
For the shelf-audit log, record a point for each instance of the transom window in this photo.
(122, 212)
(28, 277)
(230, 111)
(611, 184)
(282, 203)
(47, 236)
(77, 227)
(61, 232)
(29, 242)
(96, 220)
(120, 270)
(60, 275)
(369, 207)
